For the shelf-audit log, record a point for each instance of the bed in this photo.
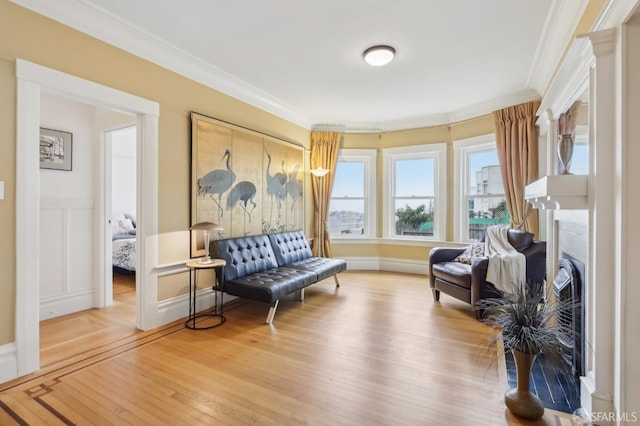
(123, 231)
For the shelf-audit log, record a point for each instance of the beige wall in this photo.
(40, 40)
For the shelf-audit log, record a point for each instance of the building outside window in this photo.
(414, 192)
(479, 201)
(352, 209)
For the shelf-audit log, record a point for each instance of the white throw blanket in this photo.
(507, 267)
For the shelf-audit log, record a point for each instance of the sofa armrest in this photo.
(442, 254)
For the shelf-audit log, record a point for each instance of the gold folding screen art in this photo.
(247, 182)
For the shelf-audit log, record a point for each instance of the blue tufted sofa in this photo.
(267, 267)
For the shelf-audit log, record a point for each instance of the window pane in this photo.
(485, 212)
(580, 160)
(414, 177)
(346, 217)
(349, 179)
(414, 216)
(484, 173)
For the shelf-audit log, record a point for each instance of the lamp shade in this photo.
(205, 226)
(319, 172)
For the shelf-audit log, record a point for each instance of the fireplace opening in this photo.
(568, 290)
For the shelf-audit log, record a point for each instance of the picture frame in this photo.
(56, 149)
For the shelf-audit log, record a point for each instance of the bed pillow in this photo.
(474, 250)
(121, 225)
(132, 217)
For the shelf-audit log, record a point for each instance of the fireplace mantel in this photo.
(558, 192)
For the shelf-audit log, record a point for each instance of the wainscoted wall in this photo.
(66, 256)
(67, 213)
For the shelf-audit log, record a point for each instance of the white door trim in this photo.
(32, 79)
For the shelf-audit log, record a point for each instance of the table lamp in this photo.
(207, 227)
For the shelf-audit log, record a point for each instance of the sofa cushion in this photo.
(270, 285)
(245, 255)
(520, 240)
(323, 267)
(290, 247)
(455, 272)
(476, 249)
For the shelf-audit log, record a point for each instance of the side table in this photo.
(218, 309)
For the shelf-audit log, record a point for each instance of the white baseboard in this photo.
(55, 306)
(8, 362)
(419, 267)
(176, 308)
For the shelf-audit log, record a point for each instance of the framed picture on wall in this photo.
(55, 149)
(245, 181)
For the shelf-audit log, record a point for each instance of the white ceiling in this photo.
(302, 60)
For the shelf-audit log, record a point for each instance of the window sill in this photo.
(393, 241)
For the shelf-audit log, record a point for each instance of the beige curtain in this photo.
(324, 153)
(517, 143)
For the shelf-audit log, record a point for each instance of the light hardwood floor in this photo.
(68, 335)
(377, 350)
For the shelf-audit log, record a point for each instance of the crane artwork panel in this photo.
(247, 182)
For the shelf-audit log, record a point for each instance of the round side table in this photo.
(217, 311)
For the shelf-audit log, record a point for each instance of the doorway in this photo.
(120, 167)
(32, 80)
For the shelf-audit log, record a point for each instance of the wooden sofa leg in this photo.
(301, 295)
(335, 277)
(272, 312)
(436, 294)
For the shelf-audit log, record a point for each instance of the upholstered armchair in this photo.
(449, 272)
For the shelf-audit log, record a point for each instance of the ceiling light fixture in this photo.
(378, 56)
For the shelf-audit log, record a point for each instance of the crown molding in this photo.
(571, 79)
(445, 119)
(104, 26)
(487, 107)
(110, 29)
(557, 34)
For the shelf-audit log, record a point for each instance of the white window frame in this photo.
(370, 159)
(437, 151)
(461, 149)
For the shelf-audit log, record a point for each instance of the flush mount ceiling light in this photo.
(378, 56)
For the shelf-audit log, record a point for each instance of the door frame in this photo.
(32, 79)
